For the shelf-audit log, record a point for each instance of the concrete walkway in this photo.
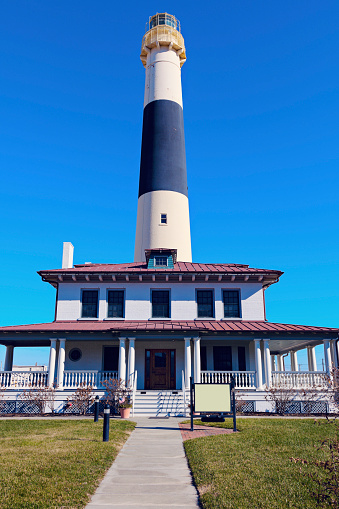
(150, 471)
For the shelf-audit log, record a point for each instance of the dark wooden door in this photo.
(160, 369)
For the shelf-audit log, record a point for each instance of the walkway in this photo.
(150, 471)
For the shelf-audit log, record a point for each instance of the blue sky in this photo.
(260, 89)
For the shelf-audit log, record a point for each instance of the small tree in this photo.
(281, 396)
(81, 399)
(116, 393)
(40, 396)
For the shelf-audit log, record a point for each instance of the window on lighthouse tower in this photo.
(163, 218)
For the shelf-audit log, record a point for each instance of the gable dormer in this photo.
(160, 258)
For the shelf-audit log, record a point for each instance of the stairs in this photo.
(160, 403)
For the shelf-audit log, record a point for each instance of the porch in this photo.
(259, 363)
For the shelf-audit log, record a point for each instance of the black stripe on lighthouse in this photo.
(163, 159)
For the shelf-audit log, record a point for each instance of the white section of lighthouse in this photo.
(163, 211)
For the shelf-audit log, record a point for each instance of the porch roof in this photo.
(206, 327)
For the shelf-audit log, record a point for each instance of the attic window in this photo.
(163, 218)
(160, 261)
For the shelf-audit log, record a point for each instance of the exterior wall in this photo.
(138, 304)
(140, 348)
(92, 354)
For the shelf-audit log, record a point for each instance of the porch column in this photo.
(273, 364)
(267, 362)
(51, 364)
(122, 360)
(258, 366)
(327, 355)
(8, 366)
(61, 364)
(334, 352)
(196, 360)
(294, 361)
(131, 362)
(312, 361)
(188, 362)
(280, 363)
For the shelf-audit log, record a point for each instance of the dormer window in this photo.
(163, 218)
(160, 261)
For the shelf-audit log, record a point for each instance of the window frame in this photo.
(123, 304)
(81, 303)
(238, 290)
(169, 303)
(166, 222)
(197, 305)
(160, 265)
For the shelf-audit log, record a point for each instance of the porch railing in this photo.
(243, 379)
(299, 379)
(23, 379)
(73, 379)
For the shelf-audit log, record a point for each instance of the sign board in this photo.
(212, 398)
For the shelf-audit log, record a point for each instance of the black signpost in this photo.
(209, 414)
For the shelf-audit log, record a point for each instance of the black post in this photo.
(233, 405)
(191, 393)
(96, 409)
(106, 423)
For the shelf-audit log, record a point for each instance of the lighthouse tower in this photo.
(163, 212)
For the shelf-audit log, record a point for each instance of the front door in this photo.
(160, 369)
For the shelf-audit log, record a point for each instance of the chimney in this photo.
(67, 255)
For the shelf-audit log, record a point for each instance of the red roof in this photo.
(194, 326)
(232, 268)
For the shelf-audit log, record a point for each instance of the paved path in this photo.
(150, 471)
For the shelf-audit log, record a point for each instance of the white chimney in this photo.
(67, 255)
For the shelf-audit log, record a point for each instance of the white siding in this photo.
(138, 305)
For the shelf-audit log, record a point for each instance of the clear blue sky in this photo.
(261, 116)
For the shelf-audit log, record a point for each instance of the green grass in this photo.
(55, 463)
(252, 468)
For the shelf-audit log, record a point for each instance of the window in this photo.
(163, 218)
(160, 304)
(111, 358)
(89, 304)
(205, 303)
(115, 299)
(160, 261)
(75, 354)
(203, 358)
(222, 356)
(241, 358)
(231, 303)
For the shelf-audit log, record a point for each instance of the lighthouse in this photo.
(163, 210)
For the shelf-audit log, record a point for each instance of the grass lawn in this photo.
(55, 463)
(252, 468)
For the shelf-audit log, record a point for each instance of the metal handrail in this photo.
(183, 390)
(135, 378)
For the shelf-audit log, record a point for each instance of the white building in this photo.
(161, 319)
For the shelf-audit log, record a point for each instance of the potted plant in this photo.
(125, 408)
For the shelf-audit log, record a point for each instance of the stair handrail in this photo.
(135, 377)
(183, 390)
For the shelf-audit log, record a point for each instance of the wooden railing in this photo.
(73, 379)
(299, 379)
(242, 379)
(23, 379)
